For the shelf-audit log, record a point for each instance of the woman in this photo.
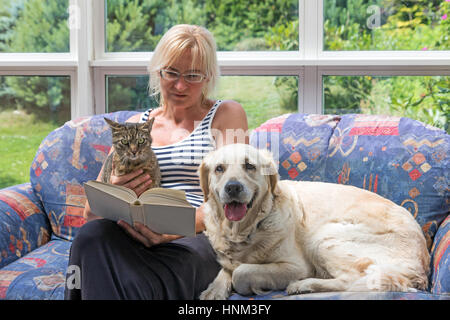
(120, 261)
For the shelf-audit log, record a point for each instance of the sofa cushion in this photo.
(298, 142)
(66, 158)
(440, 260)
(23, 223)
(38, 275)
(401, 159)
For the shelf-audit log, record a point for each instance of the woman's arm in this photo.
(230, 124)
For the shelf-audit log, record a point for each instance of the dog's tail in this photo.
(386, 277)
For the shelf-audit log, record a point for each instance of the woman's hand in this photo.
(144, 235)
(136, 181)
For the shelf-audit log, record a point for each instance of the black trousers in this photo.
(112, 265)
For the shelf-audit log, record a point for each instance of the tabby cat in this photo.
(132, 151)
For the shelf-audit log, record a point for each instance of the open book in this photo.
(162, 210)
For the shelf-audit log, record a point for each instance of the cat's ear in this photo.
(150, 123)
(112, 124)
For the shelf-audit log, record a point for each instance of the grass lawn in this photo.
(20, 137)
(256, 94)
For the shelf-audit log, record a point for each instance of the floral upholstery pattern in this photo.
(398, 158)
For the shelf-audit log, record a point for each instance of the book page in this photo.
(121, 192)
(165, 196)
(170, 219)
(107, 205)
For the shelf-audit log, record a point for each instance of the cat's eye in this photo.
(124, 141)
(141, 140)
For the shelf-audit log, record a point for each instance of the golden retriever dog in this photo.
(303, 236)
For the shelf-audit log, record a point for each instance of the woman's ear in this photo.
(203, 172)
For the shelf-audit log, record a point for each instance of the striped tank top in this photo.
(179, 161)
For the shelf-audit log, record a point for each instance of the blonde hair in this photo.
(174, 43)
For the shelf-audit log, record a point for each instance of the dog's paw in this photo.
(215, 292)
(301, 286)
(250, 279)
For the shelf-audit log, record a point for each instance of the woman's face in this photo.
(179, 93)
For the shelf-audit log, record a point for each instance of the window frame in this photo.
(88, 64)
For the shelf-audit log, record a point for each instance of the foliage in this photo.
(400, 25)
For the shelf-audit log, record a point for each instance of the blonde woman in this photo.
(120, 261)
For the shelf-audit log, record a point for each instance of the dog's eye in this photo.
(249, 166)
(219, 168)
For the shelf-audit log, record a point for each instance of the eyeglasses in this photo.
(172, 75)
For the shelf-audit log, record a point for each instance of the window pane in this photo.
(386, 25)
(128, 93)
(30, 108)
(423, 98)
(34, 26)
(263, 97)
(251, 25)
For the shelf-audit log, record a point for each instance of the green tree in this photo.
(39, 26)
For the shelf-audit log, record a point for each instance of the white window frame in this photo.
(88, 64)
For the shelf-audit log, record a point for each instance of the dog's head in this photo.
(237, 176)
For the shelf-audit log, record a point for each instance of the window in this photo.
(423, 98)
(237, 25)
(34, 26)
(386, 25)
(31, 108)
(263, 97)
(84, 57)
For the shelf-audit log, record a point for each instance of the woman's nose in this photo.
(180, 84)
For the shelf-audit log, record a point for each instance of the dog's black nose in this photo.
(233, 188)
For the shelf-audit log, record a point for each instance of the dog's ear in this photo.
(203, 171)
(269, 168)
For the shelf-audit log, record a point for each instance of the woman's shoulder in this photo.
(230, 114)
(230, 108)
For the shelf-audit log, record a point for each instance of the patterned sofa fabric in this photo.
(398, 158)
(440, 260)
(39, 275)
(23, 223)
(66, 158)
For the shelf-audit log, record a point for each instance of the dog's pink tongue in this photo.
(235, 211)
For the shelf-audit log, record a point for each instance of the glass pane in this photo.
(34, 26)
(263, 97)
(424, 98)
(250, 25)
(386, 25)
(128, 93)
(30, 108)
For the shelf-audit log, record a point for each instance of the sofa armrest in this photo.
(24, 226)
(440, 260)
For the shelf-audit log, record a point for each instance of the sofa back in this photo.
(66, 158)
(398, 158)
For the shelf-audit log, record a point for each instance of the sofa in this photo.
(398, 158)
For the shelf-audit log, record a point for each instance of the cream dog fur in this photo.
(303, 236)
